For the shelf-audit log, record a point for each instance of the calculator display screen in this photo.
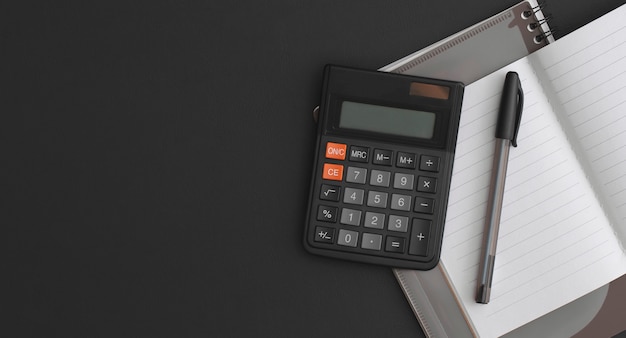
(387, 120)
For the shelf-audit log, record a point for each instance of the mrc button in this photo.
(359, 154)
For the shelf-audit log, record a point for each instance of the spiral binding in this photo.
(539, 22)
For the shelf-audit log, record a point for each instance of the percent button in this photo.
(327, 214)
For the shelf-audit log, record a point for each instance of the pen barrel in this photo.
(492, 219)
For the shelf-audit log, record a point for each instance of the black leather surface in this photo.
(156, 160)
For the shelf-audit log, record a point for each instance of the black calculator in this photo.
(382, 167)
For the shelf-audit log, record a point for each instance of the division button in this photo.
(429, 163)
(371, 241)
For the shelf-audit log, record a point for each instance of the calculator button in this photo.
(406, 160)
(353, 196)
(336, 151)
(426, 184)
(324, 234)
(326, 213)
(429, 163)
(420, 231)
(424, 205)
(394, 244)
(333, 172)
(374, 220)
(371, 241)
(329, 192)
(377, 199)
(356, 175)
(398, 223)
(400, 202)
(350, 217)
(403, 181)
(380, 178)
(347, 238)
(382, 156)
(359, 154)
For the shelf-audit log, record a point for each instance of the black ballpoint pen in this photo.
(509, 118)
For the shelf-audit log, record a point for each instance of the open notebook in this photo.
(563, 226)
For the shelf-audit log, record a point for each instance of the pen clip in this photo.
(520, 107)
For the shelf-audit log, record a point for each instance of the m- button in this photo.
(336, 151)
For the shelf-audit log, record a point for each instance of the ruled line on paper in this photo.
(584, 63)
(585, 48)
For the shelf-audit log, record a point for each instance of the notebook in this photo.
(564, 218)
(487, 46)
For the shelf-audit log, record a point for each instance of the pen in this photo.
(509, 118)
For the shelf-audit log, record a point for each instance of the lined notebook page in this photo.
(589, 81)
(555, 241)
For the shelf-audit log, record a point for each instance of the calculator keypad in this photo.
(377, 200)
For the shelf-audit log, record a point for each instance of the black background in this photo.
(156, 158)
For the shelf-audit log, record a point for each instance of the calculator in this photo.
(382, 167)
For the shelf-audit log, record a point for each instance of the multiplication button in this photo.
(426, 184)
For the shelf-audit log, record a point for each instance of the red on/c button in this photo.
(336, 151)
(333, 172)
